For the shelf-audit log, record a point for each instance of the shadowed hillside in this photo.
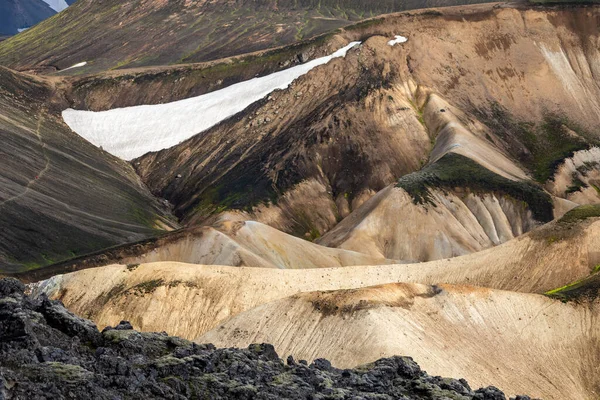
(61, 197)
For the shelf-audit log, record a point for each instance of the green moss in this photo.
(580, 213)
(118, 336)
(560, 289)
(583, 289)
(576, 184)
(284, 379)
(314, 234)
(553, 145)
(547, 143)
(457, 171)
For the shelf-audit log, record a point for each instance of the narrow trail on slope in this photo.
(42, 171)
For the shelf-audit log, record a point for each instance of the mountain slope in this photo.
(307, 156)
(524, 342)
(312, 153)
(21, 14)
(61, 197)
(151, 32)
(157, 294)
(227, 242)
(47, 352)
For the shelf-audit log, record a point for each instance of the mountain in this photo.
(423, 183)
(46, 351)
(312, 312)
(61, 196)
(312, 153)
(21, 14)
(533, 263)
(114, 34)
(375, 135)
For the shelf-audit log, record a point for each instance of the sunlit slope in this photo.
(233, 242)
(520, 341)
(452, 207)
(313, 153)
(176, 295)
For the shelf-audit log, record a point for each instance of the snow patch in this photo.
(131, 132)
(78, 65)
(57, 5)
(399, 39)
(22, 29)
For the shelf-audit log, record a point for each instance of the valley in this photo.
(423, 183)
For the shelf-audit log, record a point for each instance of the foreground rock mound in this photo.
(48, 352)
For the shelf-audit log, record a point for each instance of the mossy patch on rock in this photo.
(581, 213)
(457, 171)
(541, 147)
(586, 289)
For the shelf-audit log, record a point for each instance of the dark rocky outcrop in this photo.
(48, 352)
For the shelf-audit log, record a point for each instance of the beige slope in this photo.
(521, 342)
(250, 244)
(188, 300)
(391, 225)
(229, 241)
(530, 60)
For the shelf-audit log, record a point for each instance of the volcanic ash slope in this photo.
(192, 299)
(520, 341)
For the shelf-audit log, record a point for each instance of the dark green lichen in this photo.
(540, 147)
(457, 171)
(581, 213)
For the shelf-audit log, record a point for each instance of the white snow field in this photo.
(57, 5)
(399, 39)
(131, 132)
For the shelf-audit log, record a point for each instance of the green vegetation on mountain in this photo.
(541, 147)
(457, 171)
(115, 34)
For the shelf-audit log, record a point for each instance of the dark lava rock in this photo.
(10, 285)
(47, 352)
